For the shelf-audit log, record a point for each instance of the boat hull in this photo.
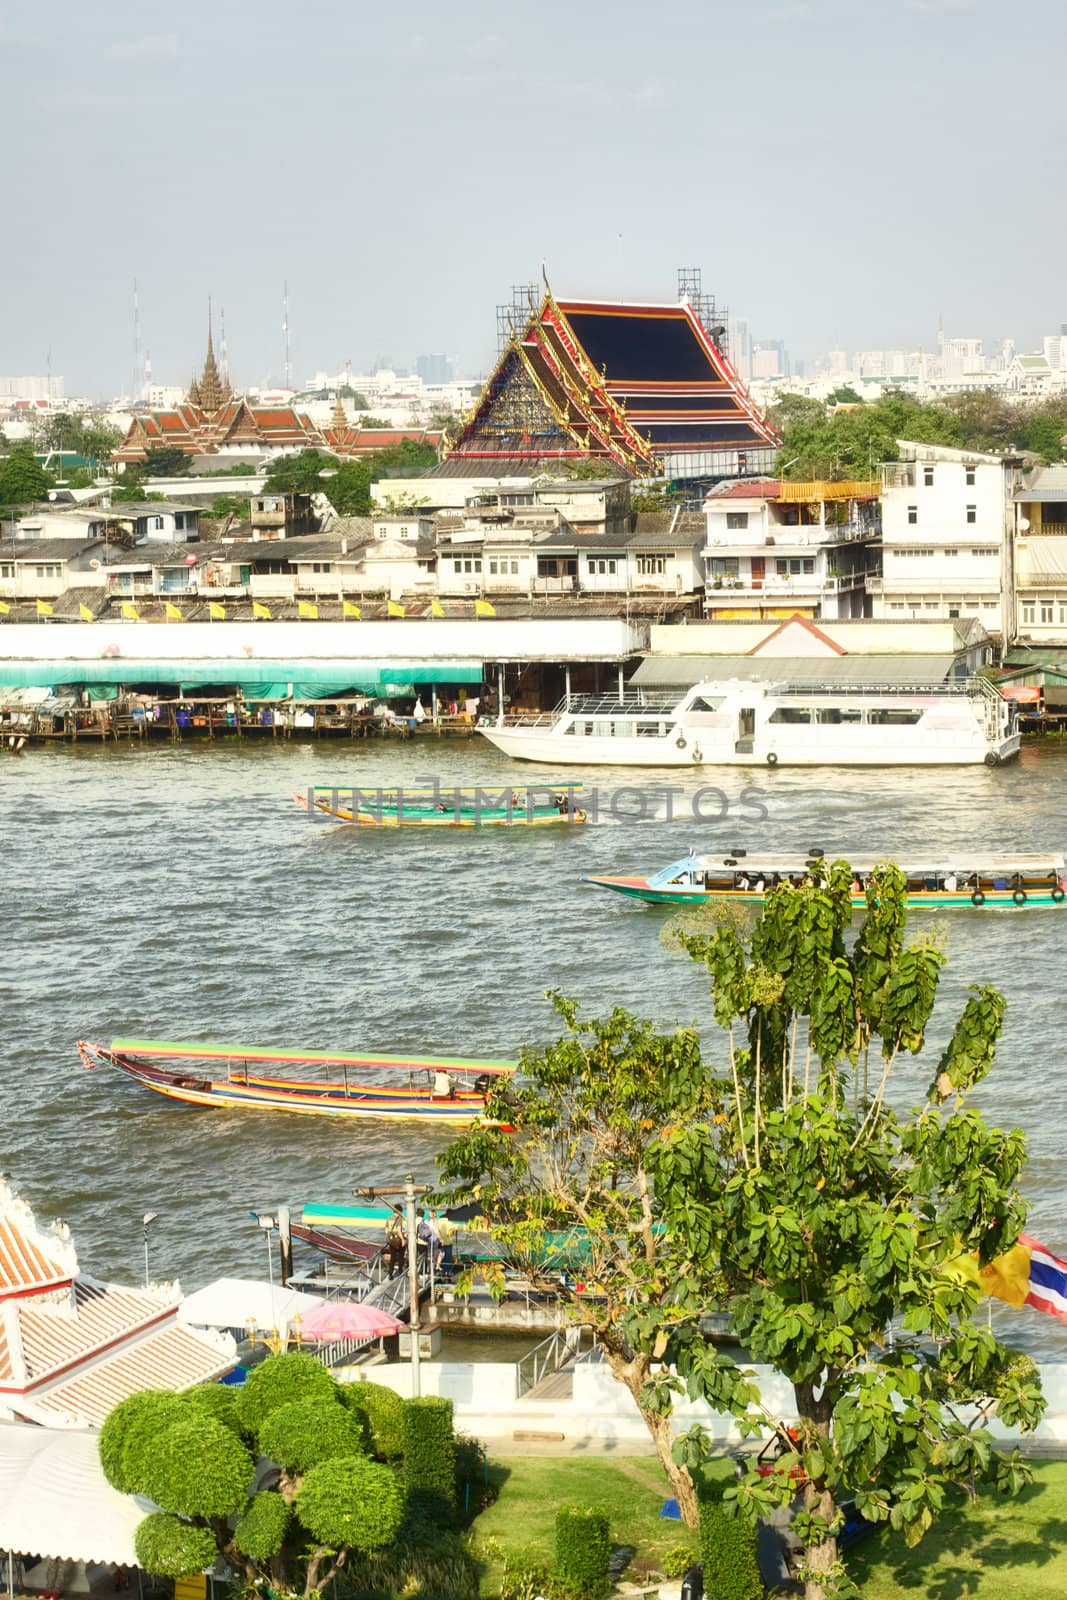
(414, 816)
(917, 900)
(556, 749)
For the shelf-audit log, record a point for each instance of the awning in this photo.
(365, 677)
(234, 1302)
(56, 1502)
(682, 672)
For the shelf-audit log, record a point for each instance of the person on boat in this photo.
(419, 712)
(760, 884)
(951, 883)
(741, 882)
(443, 1087)
(855, 887)
(446, 1232)
(395, 1244)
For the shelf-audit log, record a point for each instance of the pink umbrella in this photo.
(347, 1319)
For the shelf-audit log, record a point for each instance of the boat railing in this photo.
(966, 687)
(632, 702)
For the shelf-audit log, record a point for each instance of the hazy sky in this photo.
(844, 171)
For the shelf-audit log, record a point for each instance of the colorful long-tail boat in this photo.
(189, 1078)
(442, 806)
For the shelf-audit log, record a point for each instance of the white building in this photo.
(1040, 552)
(777, 549)
(946, 545)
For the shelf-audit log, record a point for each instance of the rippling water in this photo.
(177, 892)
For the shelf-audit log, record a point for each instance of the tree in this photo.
(367, 421)
(164, 461)
(359, 400)
(22, 478)
(781, 1182)
(299, 474)
(194, 1455)
(844, 395)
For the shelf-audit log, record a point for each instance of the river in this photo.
(177, 892)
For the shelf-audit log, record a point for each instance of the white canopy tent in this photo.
(233, 1303)
(55, 1501)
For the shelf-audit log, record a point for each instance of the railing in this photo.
(969, 687)
(563, 585)
(560, 1350)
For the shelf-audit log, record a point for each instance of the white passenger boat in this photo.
(749, 724)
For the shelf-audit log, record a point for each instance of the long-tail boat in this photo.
(422, 1088)
(441, 806)
(937, 883)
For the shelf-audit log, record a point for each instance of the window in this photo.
(322, 566)
(913, 515)
(972, 514)
(832, 716)
(794, 565)
(724, 567)
(951, 551)
(514, 568)
(7, 572)
(737, 519)
(891, 717)
(791, 714)
(897, 605)
(968, 477)
(492, 569)
(649, 566)
(985, 550)
(918, 551)
(49, 571)
(154, 524)
(1063, 614)
(1028, 612)
(932, 605)
(1046, 611)
(928, 477)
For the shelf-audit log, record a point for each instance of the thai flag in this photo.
(1048, 1279)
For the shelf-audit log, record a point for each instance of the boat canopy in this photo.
(299, 679)
(243, 1053)
(924, 867)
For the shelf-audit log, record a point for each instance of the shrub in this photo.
(197, 1468)
(430, 1455)
(260, 1531)
(217, 1401)
(137, 1418)
(169, 1548)
(383, 1410)
(304, 1434)
(356, 1502)
(677, 1561)
(727, 1551)
(474, 1491)
(583, 1550)
(279, 1381)
(424, 1561)
(522, 1580)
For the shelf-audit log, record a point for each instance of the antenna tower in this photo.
(137, 364)
(285, 330)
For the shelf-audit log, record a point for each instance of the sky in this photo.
(844, 172)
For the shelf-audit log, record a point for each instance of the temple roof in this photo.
(33, 1257)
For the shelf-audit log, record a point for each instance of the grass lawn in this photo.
(995, 1550)
(522, 1522)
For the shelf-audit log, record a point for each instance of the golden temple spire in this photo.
(339, 418)
(194, 392)
(210, 386)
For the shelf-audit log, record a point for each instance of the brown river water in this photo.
(177, 892)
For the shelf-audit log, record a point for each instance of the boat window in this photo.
(702, 703)
(791, 714)
(832, 715)
(883, 716)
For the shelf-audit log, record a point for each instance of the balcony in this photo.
(559, 585)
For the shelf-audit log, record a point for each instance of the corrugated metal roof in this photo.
(684, 671)
(55, 1500)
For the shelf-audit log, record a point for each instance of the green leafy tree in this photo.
(844, 395)
(299, 474)
(189, 1454)
(164, 461)
(368, 421)
(781, 1182)
(22, 478)
(383, 1413)
(348, 491)
(357, 398)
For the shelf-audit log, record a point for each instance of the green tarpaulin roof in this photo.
(370, 677)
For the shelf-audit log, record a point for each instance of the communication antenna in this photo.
(147, 372)
(222, 345)
(285, 330)
(137, 364)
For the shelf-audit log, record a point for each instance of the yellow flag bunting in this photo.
(396, 610)
(436, 608)
(4, 608)
(173, 613)
(352, 610)
(307, 609)
(259, 610)
(85, 613)
(130, 612)
(43, 608)
(216, 612)
(482, 608)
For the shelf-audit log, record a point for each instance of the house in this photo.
(776, 548)
(1040, 556)
(71, 1346)
(947, 516)
(40, 569)
(281, 516)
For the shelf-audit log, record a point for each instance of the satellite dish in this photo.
(94, 563)
(1024, 524)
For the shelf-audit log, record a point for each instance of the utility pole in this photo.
(413, 1284)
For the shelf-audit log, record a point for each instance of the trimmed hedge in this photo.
(727, 1550)
(583, 1550)
(383, 1411)
(430, 1455)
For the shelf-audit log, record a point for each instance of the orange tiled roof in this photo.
(32, 1258)
(175, 1357)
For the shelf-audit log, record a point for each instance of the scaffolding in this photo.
(513, 317)
(715, 318)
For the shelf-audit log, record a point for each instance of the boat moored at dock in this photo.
(735, 723)
(936, 883)
(425, 1088)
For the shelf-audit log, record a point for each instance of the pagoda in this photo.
(646, 388)
(209, 392)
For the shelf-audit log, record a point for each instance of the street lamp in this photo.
(146, 1221)
(268, 1224)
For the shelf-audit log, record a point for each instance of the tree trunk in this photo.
(634, 1371)
(814, 1412)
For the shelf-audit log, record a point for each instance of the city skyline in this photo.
(362, 163)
